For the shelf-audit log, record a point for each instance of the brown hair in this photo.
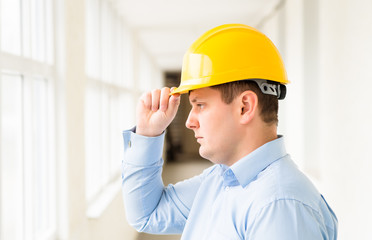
(267, 104)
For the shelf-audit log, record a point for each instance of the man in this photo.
(234, 76)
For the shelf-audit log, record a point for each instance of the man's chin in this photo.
(202, 152)
(205, 154)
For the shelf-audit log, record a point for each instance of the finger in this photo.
(176, 95)
(155, 98)
(174, 102)
(164, 98)
(146, 100)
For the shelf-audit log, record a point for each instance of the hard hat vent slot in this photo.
(270, 88)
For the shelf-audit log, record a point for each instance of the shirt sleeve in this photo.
(287, 219)
(151, 207)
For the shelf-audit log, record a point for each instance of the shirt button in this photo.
(227, 188)
(129, 143)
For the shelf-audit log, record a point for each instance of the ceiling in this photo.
(166, 28)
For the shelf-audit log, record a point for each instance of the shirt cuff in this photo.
(141, 150)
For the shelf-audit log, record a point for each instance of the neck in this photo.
(253, 138)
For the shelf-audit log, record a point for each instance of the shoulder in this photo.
(289, 219)
(286, 200)
(283, 181)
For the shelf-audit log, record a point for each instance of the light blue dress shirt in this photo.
(263, 196)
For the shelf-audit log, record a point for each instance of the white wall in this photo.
(346, 60)
(327, 116)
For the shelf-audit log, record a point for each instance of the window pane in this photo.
(128, 65)
(105, 136)
(107, 48)
(115, 136)
(36, 163)
(127, 110)
(92, 49)
(120, 55)
(11, 26)
(93, 140)
(28, 164)
(26, 29)
(145, 72)
(38, 29)
(40, 123)
(49, 31)
(11, 209)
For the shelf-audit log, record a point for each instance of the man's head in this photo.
(231, 120)
(234, 76)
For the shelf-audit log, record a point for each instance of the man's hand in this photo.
(155, 111)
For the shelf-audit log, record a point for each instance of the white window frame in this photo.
(34, 64)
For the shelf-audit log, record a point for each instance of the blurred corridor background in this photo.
(71, 72)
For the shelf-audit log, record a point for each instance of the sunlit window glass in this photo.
(11, 26)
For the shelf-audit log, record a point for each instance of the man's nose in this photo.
(191, 122)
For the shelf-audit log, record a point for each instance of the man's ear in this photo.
(249, 106)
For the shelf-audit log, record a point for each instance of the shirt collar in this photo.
(246, 169)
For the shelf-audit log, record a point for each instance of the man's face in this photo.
(215, 124)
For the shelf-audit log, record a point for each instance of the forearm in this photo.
(149, 206)
(141, 177)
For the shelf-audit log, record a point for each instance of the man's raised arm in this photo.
(149, 206)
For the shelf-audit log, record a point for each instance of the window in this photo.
(27, 156)
(111, 96)
(105, 92)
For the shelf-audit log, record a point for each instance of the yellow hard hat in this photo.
(229, 53)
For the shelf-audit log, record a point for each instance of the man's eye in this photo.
(199, 105)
